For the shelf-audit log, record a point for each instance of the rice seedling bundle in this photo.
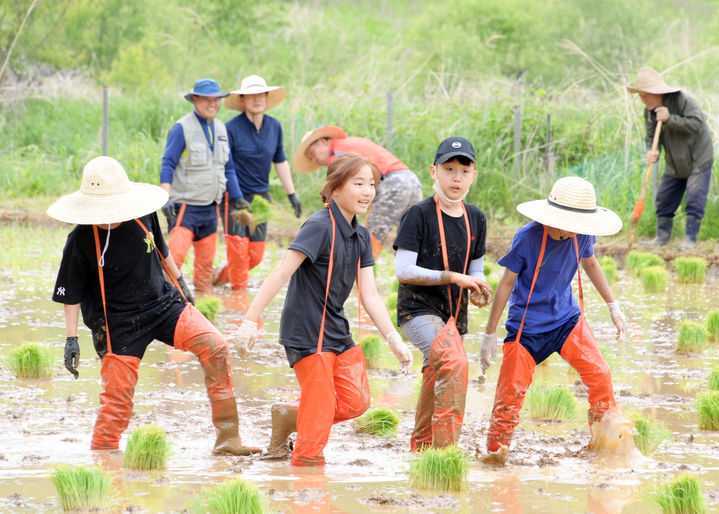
(691, 270)
(692, 337)
(683, 495)
(636, 261)
(382, 422)
(147, 448)
(444, 469)
(372, 349)
(82, 487)
(551, 403)
(209, 306)
(708, 410)
(712, 322)
(654, 279)
(714, 380)
(31, 361)
(262, 210)
(230, 497)
(609, 266)
(650, 434)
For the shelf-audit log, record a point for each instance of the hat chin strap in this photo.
(101, 262)
(444, 198)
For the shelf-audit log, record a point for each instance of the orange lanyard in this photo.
(445, 259)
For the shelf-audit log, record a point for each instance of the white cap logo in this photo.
(456, 144)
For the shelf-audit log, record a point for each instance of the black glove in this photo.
(240, 204)
(296, 204)
(169, 211)
(72, 355)
(185, 290)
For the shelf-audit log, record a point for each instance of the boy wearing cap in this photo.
(543, 315)
(427, 275)
(688, 153)
(196, 171)
(255, 144)
(399, 187)
(117, 269)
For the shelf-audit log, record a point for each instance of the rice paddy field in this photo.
(47, 422)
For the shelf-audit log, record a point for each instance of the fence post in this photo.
(517, 140)
(390, 115)
(105, 124)
(548, 147)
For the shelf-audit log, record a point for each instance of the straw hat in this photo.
(253, 85)
(572, 206)
(205, 87)
(107, 196)
(650, 81)
(300, 162)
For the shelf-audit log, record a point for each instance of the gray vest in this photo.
(199, 177)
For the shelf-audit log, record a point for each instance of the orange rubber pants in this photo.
(179, 243)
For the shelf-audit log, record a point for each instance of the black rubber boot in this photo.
(693, 226)
(664, 230)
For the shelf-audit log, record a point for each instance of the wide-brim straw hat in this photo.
(572, 206)
(650, 81)
(254, 85)
(300, 162)
(107, 196)
(205, 87)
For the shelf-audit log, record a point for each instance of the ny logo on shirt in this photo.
(61, 291)
(150, 242)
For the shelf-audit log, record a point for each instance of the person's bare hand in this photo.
(481, 299)
(662, 114)
(652, 156)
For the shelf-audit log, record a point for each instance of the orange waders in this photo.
(179, 242)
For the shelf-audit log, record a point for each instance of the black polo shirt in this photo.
(419, 232)
(302, 312)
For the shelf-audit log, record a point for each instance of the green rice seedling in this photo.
(654, 278)
(609, 266)
(713, 381)
(444, 469)
(551, 403)
(382, 422)
(262, 210)
(692, 337)
(650, 434)
(31, 361)
(82, 487)
(636, 261)
(229, 497)
(147, 448)
(372, 349)
(708, 410)
(683, 495)
(209, 306)
(712, 322)
(691, 270)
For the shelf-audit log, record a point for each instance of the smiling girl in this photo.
(330, 252)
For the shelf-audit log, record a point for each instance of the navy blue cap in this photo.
(453, 147)
(206, 87)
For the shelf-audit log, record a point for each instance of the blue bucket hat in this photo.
(206, 87)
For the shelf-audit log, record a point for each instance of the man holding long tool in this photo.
(688, 153)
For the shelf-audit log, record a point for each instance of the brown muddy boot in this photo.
(498, 458)
(224, 417)
(284, 423)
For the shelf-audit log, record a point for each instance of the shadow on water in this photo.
(49, 422)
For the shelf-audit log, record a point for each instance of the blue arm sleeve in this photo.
(173, 151)
(233, 186)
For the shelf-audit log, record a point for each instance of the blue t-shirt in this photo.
(552, 302)
(253, 152)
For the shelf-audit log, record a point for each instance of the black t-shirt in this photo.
(139, 300)
(419, 232)
(302, 312)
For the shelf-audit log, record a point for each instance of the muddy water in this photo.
(48, 422)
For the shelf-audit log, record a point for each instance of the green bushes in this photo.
(690, 270)
(636, 261)
(382, 422)
(654, 278)
(692, 337)
(31, 361)
(551, 403)
(444, 469)
(713, 381)
(82, 487)
(708, 410)
(712, 323)
(682, 495)
(229, 497)
(147, 448)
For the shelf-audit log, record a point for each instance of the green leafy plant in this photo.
(444, 469)
(262, 210)
(551, 403)
(691, 270)
(372, 349)
(712, 323)
(650, 434)
(683, 495)
(654, 278)
(31, 361)
(713, 381)
(209, 306)
(147, 448)
(82, 487)
(229, 497)
(708, 410)
(636, 261)
(692, 337)
(382, 422)
(609, 266)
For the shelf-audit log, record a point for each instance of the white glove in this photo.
(401, 351)
(489, 350)
(618, 318)
(246, 337)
